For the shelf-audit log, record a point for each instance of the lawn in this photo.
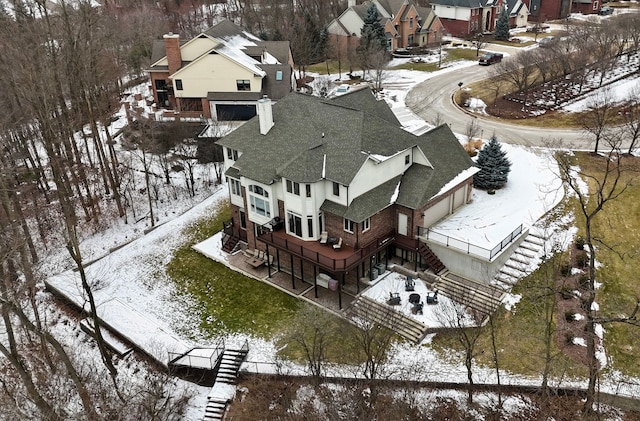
(618, 228)
(228, 302)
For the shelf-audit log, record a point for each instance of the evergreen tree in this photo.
(372, 32)
(494, 166)
(502, 26)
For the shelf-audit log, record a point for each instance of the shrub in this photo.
(566, 293)
(583, 281)
(569, 337)
(580, 242)
(582, 259)
(565, 270)
(570, 315)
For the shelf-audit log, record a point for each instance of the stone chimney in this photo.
(265, 115)
(172, 49)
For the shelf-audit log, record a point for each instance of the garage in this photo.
(242, 112)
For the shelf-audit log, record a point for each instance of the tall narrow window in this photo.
(235, 187)
(293, 187)
(278, 74)
(349, 225)
(336, 189)
(310, 226)
(308, 189)
(243, 219)
(232, 154)
(179, 84)
(295, 224)
(366, 224)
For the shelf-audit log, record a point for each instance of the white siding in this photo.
(213, 73)
(436, 212)
(372, 174)
(452, 12)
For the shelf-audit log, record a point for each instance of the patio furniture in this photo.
(414, 298)
(432, 297)
(417, 308)
(409, 284)
(394, 299)
(338, 245)
(323, 237)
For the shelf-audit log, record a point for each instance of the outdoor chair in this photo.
(323, 237)
(417, 308)
(409, 284)
(338, 245)
(394, 299)
(432, 297)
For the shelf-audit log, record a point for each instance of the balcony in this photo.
(324, 255)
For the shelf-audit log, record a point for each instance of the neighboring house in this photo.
(405, 24)
(307, 169)
(221, 73)
(545, 10)
(464, 18)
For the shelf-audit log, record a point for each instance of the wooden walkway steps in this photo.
(385, 315)
(430, 258)
(480, 296)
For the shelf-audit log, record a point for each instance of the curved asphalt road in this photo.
(434, 96)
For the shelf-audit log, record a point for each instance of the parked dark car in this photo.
(490, 58)
(605, 10)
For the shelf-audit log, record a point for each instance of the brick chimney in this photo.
(265, 114)
(172, 48)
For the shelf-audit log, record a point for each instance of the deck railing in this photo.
(467, 247)
(199, 361)
(330, 263)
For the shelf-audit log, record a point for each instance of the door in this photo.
(403, 220)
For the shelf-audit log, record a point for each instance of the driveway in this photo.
(434, 97)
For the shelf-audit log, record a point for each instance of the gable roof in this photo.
(232, 42)
(314, 139)
(471, 4)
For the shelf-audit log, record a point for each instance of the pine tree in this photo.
(502, 26)
(494, 166)
(372, 32)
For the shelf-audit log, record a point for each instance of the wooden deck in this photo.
(324, 255)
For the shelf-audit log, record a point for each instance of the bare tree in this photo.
(607, 184)
(597, 120)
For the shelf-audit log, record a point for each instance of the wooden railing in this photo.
(327, 262)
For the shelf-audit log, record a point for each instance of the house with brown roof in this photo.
(221, 73)
(406, 24)
(332, 189)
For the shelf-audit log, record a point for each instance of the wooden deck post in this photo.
(358, 279)
(268, 263)
(340, 293)
(293, 276)
(278, 258)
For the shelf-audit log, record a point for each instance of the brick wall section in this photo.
(381, 224)
(172, 49)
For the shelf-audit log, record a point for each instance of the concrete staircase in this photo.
(518, 264)
(227, 374)
(385, 315)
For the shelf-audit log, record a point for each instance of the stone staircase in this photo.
(228, 369)
(518, 264)
(385, 315)
(479, 296)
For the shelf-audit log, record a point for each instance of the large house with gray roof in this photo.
(336, 186)
(465, 18)
(221, 73)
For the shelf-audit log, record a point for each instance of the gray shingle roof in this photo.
(310, 133)
(297, 138)
(367, 204)
(472, 4)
